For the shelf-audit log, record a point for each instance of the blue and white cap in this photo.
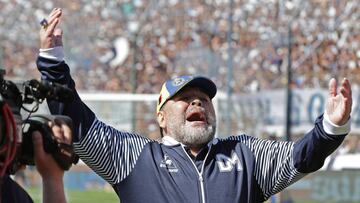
(173, 86)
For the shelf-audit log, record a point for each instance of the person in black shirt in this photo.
(51, 173)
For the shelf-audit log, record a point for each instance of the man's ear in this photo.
(161, 119)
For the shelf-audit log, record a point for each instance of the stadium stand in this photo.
(160, 39)
(110, 42)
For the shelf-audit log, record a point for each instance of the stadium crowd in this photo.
(112, 42)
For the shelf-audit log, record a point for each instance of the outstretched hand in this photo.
(338, 105)
(50, 35)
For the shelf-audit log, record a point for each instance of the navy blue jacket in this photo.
(236, 169)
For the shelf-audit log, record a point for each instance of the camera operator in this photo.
(51, 173)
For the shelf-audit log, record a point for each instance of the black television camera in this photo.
(17, 132)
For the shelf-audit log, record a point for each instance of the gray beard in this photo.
(192, 136)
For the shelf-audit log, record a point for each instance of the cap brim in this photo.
(203, 83)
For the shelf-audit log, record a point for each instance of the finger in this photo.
(67, 133)
(38, 145)
(347, 101)
(346, 88)
(58, 133)
(53, 11)
(56, 13)
(332, 87)
(65, 129)
(346, 95)
(51, 27)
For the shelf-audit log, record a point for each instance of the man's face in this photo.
(189, 117)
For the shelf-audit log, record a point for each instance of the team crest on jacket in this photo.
(168, 164)
(226, 164)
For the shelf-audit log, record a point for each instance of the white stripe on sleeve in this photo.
(110, 153)
(274, 168)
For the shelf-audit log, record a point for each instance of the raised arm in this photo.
(311, 151)
(53, 68)
(110, 153)
(279, 164)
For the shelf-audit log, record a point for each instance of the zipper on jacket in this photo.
(201, 178)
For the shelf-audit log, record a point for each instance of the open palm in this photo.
(338, 106)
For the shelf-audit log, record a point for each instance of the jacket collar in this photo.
(170, 141)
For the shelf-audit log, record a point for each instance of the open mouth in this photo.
(196, 117)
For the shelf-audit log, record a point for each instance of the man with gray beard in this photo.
(189, 164)
(193, 121)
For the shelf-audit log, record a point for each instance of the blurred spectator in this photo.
(152, 40)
